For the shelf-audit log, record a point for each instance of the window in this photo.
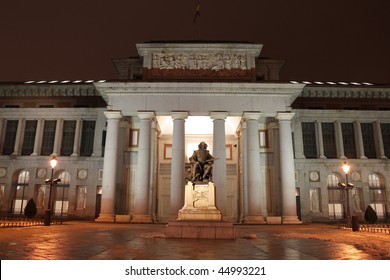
(20, 195)
(377, 195)
(68, 134)
(348, 140)
(368, 140)
(263, 138)
(87, 137)
(335, 194)
(61, 200)
(10, 137)
(328, 136)
(29, 137)
(309, 139)
(385, 127)
(49, 132)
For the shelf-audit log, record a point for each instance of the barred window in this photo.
(49, 132)
(329, 138)
(10, 137)
(385, 127)
(87, 138)
(349, 140)
(68, 134)
(29, 137)
(368, 140)
(309, 139)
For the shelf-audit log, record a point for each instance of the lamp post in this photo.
(347, 186)
(51, 182)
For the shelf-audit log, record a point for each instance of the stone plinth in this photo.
(199, 203)
(200, 230)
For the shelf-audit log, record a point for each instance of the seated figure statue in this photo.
(201, 164)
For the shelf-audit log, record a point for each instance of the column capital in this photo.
(113, 114)
(284, 116)
(146, 115)
(179, 115)
(218, 115)
(251, 115)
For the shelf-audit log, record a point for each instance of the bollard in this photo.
(355, 223)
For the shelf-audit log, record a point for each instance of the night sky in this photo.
(332, 40)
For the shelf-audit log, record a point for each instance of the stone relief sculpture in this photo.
(205, 61)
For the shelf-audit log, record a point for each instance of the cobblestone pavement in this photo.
(108, 241)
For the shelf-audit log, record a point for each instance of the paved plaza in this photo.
(109, 241)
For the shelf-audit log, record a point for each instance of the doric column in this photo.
(255, 215)
(287, 170)
(320, 140)
(379, 140)
(359, 139)
(178, 162)
(107, 212)
(219, 151)
(77, 134)
(18, 139)
(142, 204)
(38, 138)
(339, 139)
(57, 138)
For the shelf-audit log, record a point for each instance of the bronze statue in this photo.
(201, 164)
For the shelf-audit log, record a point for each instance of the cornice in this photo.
(351, 93)
(48, 90)
(248, 89)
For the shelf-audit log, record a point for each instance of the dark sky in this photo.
(332, 40)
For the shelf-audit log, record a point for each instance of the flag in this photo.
(197, 13)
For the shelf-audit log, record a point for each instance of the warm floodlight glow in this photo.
(64, 82)
(53, 162)
(53, 82)
(346, 168)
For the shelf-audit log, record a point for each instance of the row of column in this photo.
(39, 137)
(252, 177)
(359, 140)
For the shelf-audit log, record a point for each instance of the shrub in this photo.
(31, 209)
(370, 215)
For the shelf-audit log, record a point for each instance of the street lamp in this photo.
(51, 182)
(347, 186)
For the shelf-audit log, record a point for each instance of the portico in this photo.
(244, 171)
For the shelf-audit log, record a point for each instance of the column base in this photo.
(142, 219)
(274, 220)
(256, 220)
(106, 218)
(291, 220)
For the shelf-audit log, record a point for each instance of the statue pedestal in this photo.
(199, 203)
(199, 217)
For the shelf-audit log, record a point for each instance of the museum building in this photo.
(123, 146)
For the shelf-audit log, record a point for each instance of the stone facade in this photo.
(123, 146)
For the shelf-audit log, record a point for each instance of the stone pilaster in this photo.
(38, 138)
(77, 137)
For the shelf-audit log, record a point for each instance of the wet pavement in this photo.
(107, 241)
